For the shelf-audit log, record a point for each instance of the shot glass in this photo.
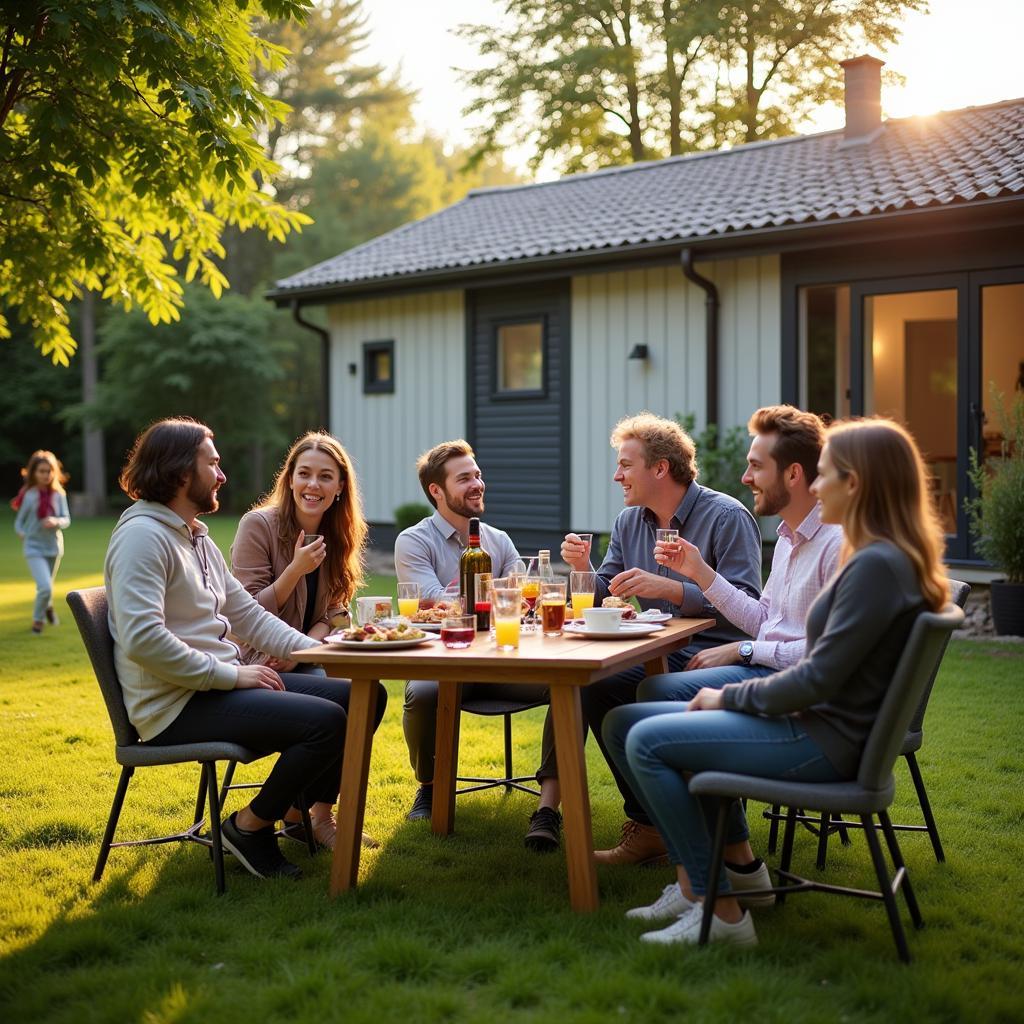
(457, 631)
(506, 610)
(552, 607)
(666, 536)
(581, 587)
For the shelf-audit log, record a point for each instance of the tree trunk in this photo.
(636, 144)
(94, 462)
(675, 145)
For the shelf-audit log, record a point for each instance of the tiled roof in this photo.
(950, 158)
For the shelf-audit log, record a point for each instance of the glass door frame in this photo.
(968, 397)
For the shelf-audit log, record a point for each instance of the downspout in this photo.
(711, 331)
(325, 363)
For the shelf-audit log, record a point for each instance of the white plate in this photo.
(428, 627)
(628, 631)
(652, 615)
(377, 645)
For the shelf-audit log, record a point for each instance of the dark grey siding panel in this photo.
(522, 444)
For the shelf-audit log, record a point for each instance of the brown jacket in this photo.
(258, 557)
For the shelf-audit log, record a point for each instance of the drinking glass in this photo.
(482, 593)
(505, 609)
(457, 631)
(666, 536)
(588, 539)
(529, 583)
(311, 538)
(581, 586)
(408, 599)
(552, 606)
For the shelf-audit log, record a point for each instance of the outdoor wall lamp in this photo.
(353, 369)
(639, 352)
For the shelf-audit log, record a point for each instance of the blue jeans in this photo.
(43, 569)
(656, 745)
(683, 686)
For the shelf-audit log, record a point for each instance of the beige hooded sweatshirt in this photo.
(173, 604)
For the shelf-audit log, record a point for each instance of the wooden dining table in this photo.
(566, 664)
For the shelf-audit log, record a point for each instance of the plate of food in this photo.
(627, 631)
(374, 635)
(630, 614)
(431, 616)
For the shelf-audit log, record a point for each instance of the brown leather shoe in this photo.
(640, 844)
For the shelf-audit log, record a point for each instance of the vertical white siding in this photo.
(385, 433)
(658, 307)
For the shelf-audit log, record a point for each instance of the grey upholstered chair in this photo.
(506, 709)
(89, 608)
(868, 796)
(912, 743)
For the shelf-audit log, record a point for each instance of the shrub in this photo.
(996, 512)
(410, 514)
(721, 461)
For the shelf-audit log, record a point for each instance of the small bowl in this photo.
(605, 620)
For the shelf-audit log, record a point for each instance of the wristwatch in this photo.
(746, 652)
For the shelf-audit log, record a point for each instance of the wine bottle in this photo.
(474, 559)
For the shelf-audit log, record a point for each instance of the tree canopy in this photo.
(591, 83)
(128, 141)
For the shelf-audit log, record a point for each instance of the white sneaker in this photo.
(687, 930)
(740, 882)
(670, 904)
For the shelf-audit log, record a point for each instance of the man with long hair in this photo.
(173, 610)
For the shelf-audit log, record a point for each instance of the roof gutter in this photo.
(325, 362)
(711, 335)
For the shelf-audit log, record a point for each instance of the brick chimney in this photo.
(863, 102)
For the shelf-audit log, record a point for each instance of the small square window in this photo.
(520, 357)
(378, 367)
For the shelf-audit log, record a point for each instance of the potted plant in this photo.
(996, 515)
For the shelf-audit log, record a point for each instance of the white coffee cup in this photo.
(604, 620)
(373, 609)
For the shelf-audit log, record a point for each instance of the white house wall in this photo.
(658, 307)
(385, 433)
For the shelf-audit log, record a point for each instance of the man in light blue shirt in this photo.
(428, 554)
(657, 470)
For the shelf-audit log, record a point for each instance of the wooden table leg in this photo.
(656, 666)
(355, 770)
(572, 778)
(446, 757)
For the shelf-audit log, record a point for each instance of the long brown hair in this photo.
(59, 478)
(891, 500)
(162, 457)
(343, 526)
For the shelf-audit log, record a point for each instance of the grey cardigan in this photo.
(856, 631)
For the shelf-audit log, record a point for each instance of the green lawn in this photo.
(472, 927)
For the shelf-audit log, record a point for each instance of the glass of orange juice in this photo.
(505, 614)
(408, 599)
(581, 587)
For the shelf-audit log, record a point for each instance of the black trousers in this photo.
(306, 722)
(599, 698)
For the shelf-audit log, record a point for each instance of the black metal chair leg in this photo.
(787, 852)
(215, 842)
(115, 814)
(823, 830)
(714, 871)
(884, 886)
(307, 824)
(200, 795)
(508, 750)
(896, 855)
(926, 807)
(229, 774)
(844, 833)
(773, 830)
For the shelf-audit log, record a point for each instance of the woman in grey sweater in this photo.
(808, 722)
(42, 508)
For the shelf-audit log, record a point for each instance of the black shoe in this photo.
(545, 830)
(423, 805)
(51, 617)
(257, 851)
